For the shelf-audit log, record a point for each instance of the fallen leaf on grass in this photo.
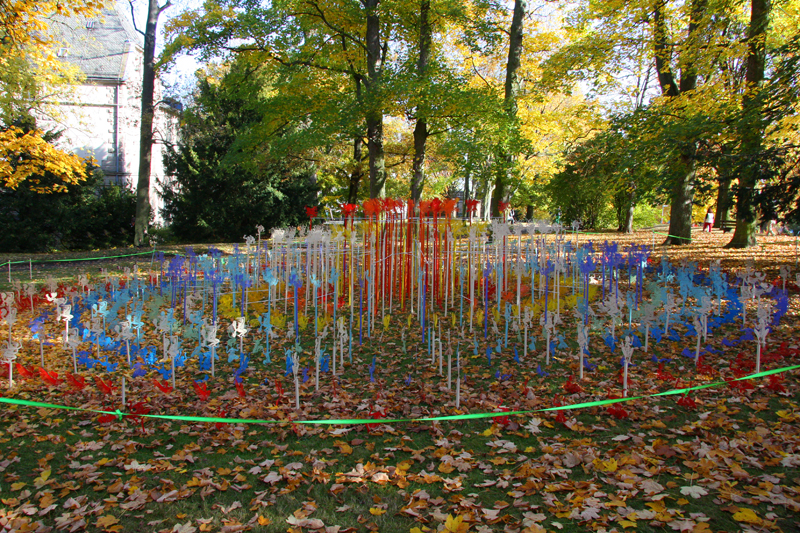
(309, 523)
(747, 516)
(534, 528)
(184, 528)
(136, 467)
(226, 510)
(42, 479)
(272, 478)
(694, 491)
(108, 523)
(455, 525)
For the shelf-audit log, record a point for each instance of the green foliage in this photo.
(89, 215)
(580, 195)
(646, 216)
(225, 182)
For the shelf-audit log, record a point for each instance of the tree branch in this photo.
(340, 31)
(165, 6)
(133, 18)
(282, 61)
(475, 70)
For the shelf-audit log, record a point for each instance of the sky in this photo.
(179, 80)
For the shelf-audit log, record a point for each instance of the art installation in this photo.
(319, 295)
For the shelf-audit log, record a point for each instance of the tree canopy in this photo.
(29, 71)
(224, 188)
(649, 99)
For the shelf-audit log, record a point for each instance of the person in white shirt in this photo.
(709, 222)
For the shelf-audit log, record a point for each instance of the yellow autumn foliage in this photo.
(28, 63)
(24, 23)
(26, 156)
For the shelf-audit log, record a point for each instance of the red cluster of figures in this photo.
(434, 208)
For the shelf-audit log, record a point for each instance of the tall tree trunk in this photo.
(626, 218)
(663, 52)
(467, 175)
(752, 129)
(723, 201)
(486, 201)
(357, 173)
(680, 209)
(505, 159)
(377, 163)
(680, 221)
(421, 128)
(142, 220)
(418, 166)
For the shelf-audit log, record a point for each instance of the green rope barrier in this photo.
(674, 236)
(44, 261)
(360, 421)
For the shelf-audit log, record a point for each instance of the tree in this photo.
(752, 126)
(28, 65)
(224, 187)
(780, 158)
(681, 47)
(79, 213)
(702, 53)
(146, 126)
(26, 156)
(581, 190)
(376, 56)
(505, 157)
(682, 190)
(421, 128)
(347, 43)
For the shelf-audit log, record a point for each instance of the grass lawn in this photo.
(723, 458)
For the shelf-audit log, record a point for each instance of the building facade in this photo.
(101, 115)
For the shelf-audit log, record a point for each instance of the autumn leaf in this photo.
(309, 523)
(376, 512)
(747, 516)
(344, 448)
(606, 466)
(455, 524)
(108, 523)
(42, 479)
(694, 491)
(184, 528)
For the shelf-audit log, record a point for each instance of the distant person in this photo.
(771, 228)
(709, 222)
